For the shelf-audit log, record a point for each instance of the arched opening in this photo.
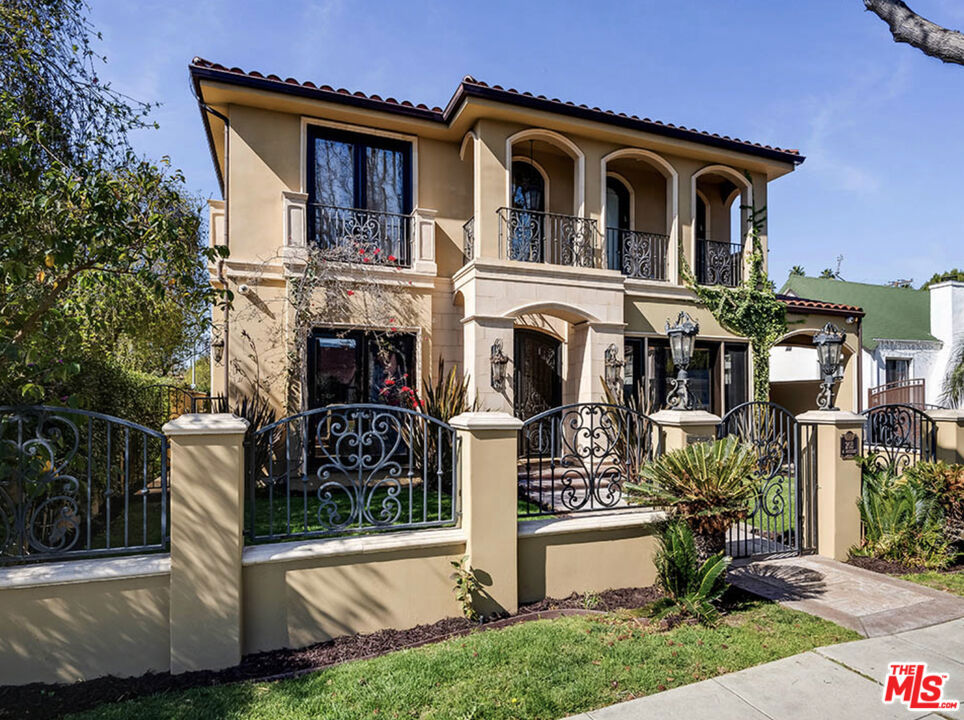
(541, 220)
(795, 373)
(720, 224)
(639, 212)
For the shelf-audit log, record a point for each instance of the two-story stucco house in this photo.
(504, 222)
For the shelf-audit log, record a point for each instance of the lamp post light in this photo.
(497, 364)
(829, 342)
(682, 338)
(614, 369)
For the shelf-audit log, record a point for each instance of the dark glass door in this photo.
(526, 223)
(538, 383)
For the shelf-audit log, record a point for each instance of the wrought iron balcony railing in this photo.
(361, 236)
(547, 237)
(719, 263)
(637, 254)
(468, 240)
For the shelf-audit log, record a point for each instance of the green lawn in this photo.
(948, 582)
(547, 669)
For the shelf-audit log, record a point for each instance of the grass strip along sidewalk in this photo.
(541, 669)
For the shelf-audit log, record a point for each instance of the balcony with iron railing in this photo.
(543, 237)
(719, 263)
(902, 392)
(361, 236)
(639, 255)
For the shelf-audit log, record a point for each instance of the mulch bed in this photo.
(889, 567)
(40, 700)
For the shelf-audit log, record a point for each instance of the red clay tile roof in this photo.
(470, 87)
(804, 305)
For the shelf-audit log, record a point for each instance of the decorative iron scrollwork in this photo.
(352, 468)
(898, 436)
(720, 263)
(578, 457)
(531, 236)
(362, 236)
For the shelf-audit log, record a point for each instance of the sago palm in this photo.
(711, 485)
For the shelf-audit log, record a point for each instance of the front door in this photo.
(538, 381)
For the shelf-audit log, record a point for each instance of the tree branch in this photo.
(908, 27)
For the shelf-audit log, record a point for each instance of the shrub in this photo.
(709, 484)
(945, 483)
(902, 519)
(691, 586)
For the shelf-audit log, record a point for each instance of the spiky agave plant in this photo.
(692, 587)
(710, 485)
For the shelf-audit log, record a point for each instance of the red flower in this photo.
(377, 250)
(392, 258)
(406, 389)
(389, 381)
(350, 293)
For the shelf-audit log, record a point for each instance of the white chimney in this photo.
(947, 325)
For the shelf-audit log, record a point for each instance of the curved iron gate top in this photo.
(577, 457)
(77, 483)
(773, 524)
(351, 468)
(899, 436)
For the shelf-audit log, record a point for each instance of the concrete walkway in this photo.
(870, 603)
(842, 681)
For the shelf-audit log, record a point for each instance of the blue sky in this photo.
(880, 123)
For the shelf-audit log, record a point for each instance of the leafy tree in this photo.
(798, 271)
(100, 250)
(936, 278)
(953, 387)
(828, 274)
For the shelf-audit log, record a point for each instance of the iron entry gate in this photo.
(774, 524)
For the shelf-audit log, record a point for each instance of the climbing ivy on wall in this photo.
(750, 309)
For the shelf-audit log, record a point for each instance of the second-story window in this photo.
(360, 195)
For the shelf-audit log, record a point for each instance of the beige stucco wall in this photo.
(558, 563)
(65, 632)
(293, 603)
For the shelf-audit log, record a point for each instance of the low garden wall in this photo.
(213, 599)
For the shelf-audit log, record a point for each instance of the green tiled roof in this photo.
(892, 313)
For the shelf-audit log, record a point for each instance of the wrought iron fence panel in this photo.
(530, 236)
(773, 520)
(361, 236)
(637, 254)
(577, 458)
(719, 263)
(898, 436)
(176, 401)
(78, 483)
(345, 469)
(468, 240)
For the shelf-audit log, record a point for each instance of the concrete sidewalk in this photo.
(842, 681)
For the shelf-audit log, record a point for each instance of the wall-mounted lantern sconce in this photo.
(498, 361)
(829, 342)
(682, 339)
(218, 347)
(614, 369)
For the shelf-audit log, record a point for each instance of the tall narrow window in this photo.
(617, 220)
(359, 195)
(526, 223)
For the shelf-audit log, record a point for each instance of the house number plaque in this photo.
(849, 445)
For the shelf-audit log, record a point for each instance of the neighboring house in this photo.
(509, 220)
(908, 337)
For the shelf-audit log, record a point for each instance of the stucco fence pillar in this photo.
(950, 434)
(837, 478)
(488, 473)
(675, 429)
(207, 516)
